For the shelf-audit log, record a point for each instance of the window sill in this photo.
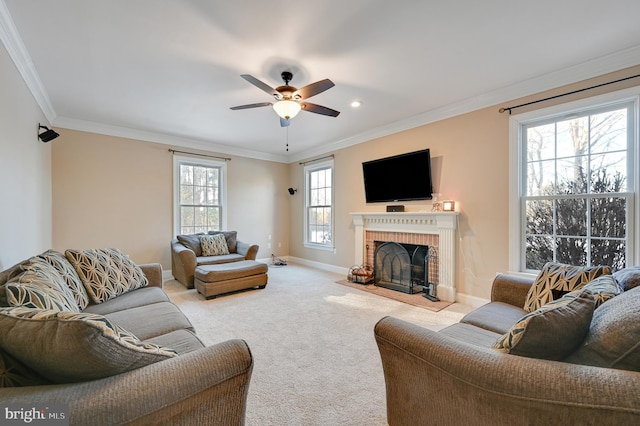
(318, 247)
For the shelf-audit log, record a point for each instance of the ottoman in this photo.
(212, 280)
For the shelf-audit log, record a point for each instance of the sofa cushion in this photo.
(14, 374)
(557, 279)
(231, 237)
(214, 245)
(613, 340)
(216, 260)
(192, 242)
(628, 278)
(152, 320)
(40, 286)
(106, 273)
(140, 297)
(68, 274)
(66, 347)
(182, 341)
(471, 334)
(552, 331)
(495, 316)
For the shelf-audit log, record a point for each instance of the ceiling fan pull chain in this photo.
(287, 139)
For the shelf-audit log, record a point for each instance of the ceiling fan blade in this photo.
(313, 89)
(260, 85)
(261, 104)
(319, 109)
(284, 122)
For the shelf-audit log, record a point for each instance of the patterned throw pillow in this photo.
(553, 331)
(70, 276)
(556, 279)
(602, 288)
(66, 347)
(106, 273)
(232, 239)
(40, 286)
(214, 245)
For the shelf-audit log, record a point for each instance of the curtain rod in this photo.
(302, 163)
(501, 110)
(201, 155)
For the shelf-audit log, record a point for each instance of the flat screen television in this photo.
(403, 177)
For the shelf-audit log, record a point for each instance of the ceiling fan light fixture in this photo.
(287, 109)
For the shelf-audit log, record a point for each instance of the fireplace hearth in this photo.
(402, 267)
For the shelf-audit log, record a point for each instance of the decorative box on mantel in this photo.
(442, 224)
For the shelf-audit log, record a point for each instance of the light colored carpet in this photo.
(316, 360)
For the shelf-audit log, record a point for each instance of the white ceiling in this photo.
(168, 70)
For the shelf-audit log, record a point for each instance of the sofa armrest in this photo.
(511, 289)
(432, 378)
(207, 386)
(183, 263)
(153, 272)
(249, 251)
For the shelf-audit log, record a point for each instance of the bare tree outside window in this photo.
(576, 195)
(200, 204)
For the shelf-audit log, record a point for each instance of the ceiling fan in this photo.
(291, 100)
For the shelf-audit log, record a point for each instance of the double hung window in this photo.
(578, 187)
(199, 195)
(319, 205)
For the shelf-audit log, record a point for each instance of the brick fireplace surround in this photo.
(435, 229)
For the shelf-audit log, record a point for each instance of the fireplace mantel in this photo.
(442, 224)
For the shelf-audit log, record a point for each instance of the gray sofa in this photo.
(460, 376)
(193, 384)
(186, 254)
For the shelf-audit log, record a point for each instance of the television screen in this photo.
(402, 177)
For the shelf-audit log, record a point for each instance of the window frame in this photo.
(183, 160)
(518, 160)
(308, 169)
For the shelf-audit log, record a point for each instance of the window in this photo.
(199, 195)
(577, 189)
(319, 205)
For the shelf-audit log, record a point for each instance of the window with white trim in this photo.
(198, 195)
(319, 205)
(578, 187)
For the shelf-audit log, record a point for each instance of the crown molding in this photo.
(590, 69)
(175, 141)
(18, 52)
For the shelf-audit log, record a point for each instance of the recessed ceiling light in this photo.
(356, 104)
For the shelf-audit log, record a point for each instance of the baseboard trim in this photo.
(167, 275)
(472, 301)
(319, 265)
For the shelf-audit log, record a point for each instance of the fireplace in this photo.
(401, 267)
(434, 229)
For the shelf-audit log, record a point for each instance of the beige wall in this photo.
(116, 192)
(25, 170)
(470, 160)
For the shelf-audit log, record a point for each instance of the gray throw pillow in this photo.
(602, 288)
(14, 374)
(613, 340)
(192, 242)
(552, 331)
(628, 278)
(66, 347)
